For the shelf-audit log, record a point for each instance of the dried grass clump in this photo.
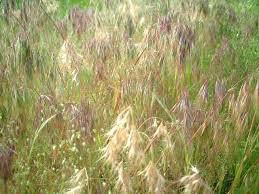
(77, 182)
(155, 181)
(161, 131)
(193, 183)
(123, 183)
(100, 47)
(117, 136)
(203, 95)
(239, 108)
(122, 136)
(69, 59)
(124, 151)
(134, 146)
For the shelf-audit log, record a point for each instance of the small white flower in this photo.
(54, 147)
(195, 170)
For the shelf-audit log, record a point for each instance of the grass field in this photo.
(129, 96)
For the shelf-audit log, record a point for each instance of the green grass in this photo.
(60, 100)
(65, 5)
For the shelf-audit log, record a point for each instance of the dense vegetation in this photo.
(132, 96)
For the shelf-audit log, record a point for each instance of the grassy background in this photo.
(60, 97)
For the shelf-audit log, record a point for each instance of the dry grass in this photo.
(128, 96)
